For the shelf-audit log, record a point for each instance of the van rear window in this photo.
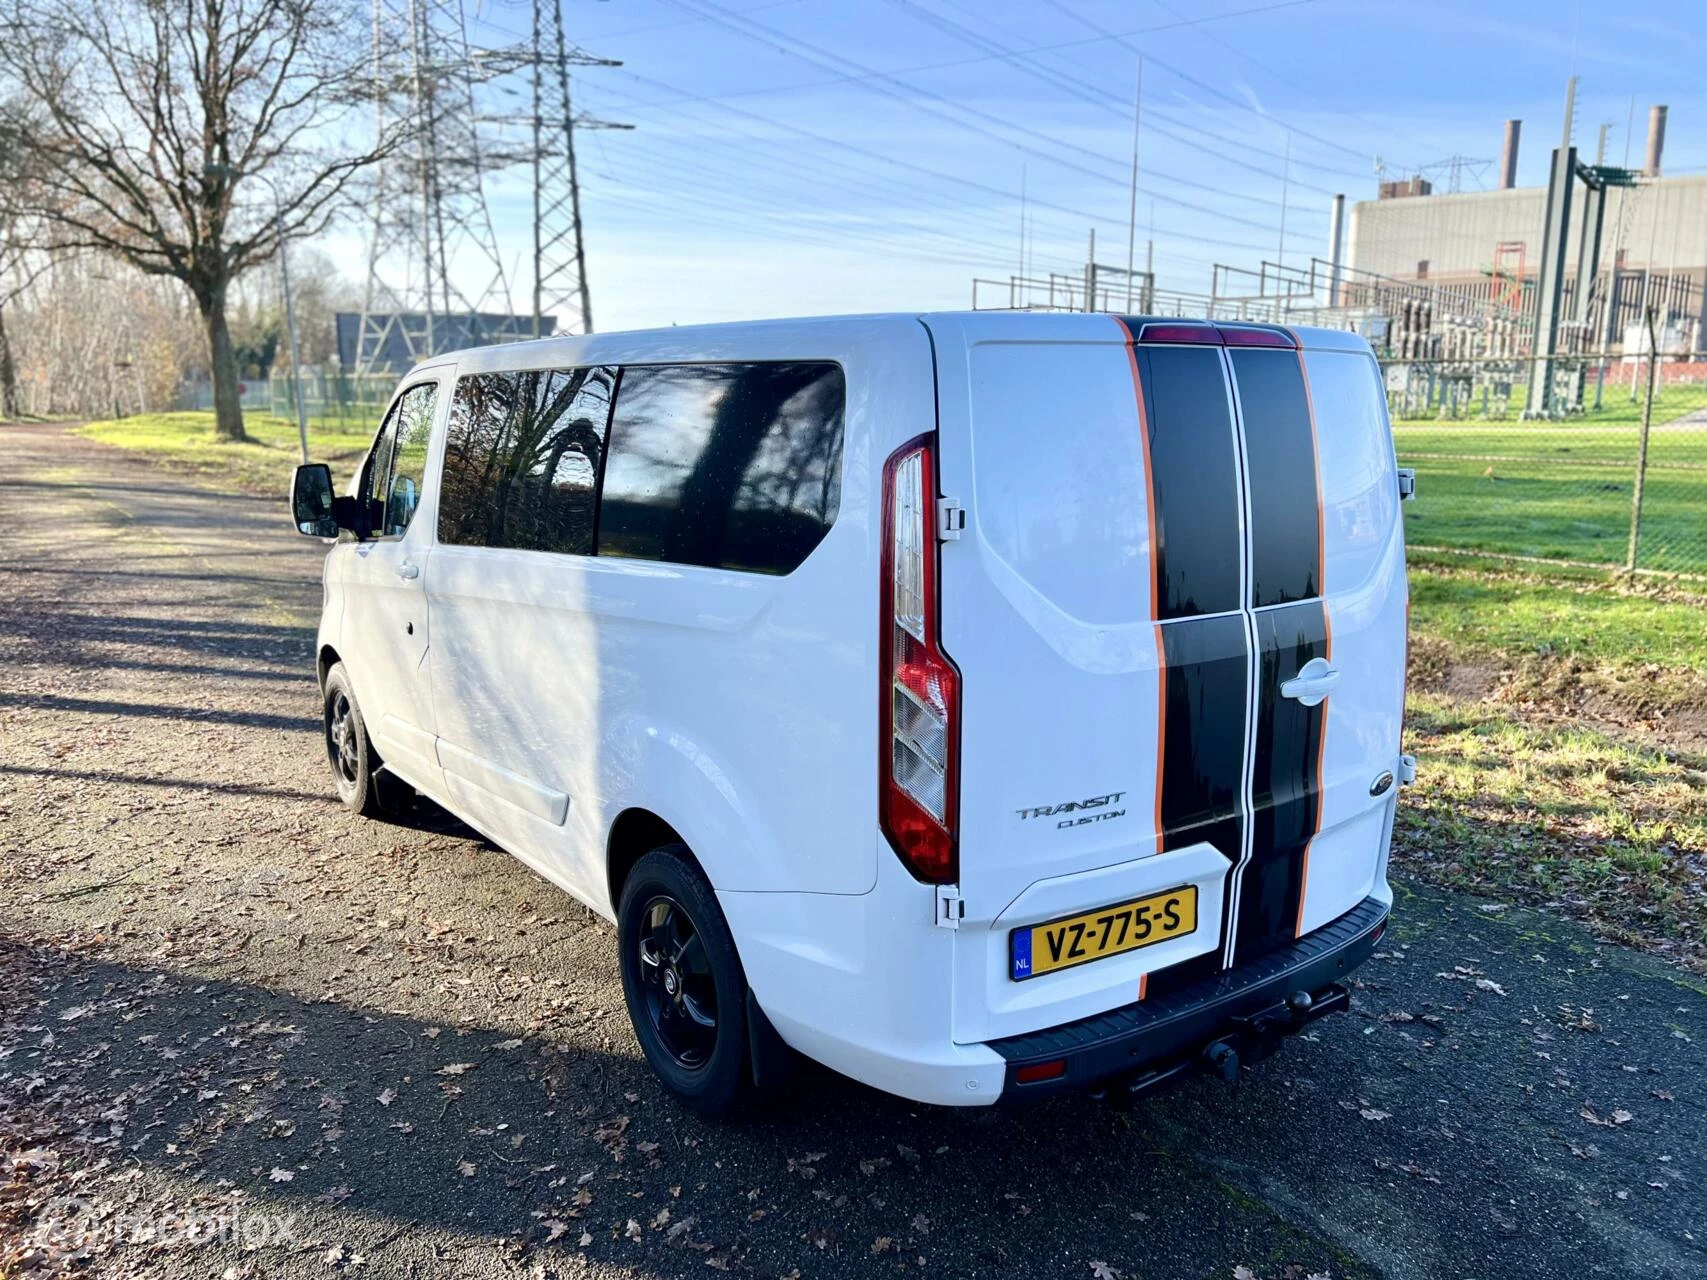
(734, 466)
(522, 455)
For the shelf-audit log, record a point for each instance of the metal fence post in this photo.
(1642, 448)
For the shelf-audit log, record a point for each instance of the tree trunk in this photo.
(8, 376)
(227, 405)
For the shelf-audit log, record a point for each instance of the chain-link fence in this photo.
(1592, 487)
(346, 401)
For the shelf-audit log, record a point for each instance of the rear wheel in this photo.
(348, 749)
(683, 982)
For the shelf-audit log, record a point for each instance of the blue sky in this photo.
(813, 156)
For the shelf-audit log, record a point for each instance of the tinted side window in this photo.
(522, 455)
(397, 463)
(735, 466)
(409, 457)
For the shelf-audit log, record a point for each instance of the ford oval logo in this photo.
(1383, 782)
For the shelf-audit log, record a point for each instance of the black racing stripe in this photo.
(1286, 783)
(1280, 444)
(1194, 479)
(1203, 753)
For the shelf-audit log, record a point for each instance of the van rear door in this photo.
(1137, 611)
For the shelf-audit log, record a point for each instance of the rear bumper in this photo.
(1246, 1008)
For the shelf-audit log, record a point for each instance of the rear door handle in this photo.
(1313, 683)
(408, 572)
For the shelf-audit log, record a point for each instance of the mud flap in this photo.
(773, 1062)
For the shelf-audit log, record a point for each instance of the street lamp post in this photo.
(290, 326)
(219, 170)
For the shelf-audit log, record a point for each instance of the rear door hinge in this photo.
(1407, 770)
(950, 519)
(1407, 483)
(950, 908)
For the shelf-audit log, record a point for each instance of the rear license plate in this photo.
(1107, 931)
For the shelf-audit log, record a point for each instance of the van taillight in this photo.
(920, 696)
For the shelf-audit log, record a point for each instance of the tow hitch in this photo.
(1248, 1038)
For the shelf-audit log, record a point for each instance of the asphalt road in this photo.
(386, 1048)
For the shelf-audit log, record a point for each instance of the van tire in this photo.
(349, 751)
(666, 899)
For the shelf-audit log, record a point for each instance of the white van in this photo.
(982, 705)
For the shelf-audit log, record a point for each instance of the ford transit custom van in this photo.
(981, 705)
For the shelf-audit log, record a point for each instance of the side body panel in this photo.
(739, 707)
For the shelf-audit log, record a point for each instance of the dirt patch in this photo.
(1657, 706)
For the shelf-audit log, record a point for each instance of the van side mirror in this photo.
(313, 508)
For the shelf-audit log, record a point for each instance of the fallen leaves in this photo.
(1102, 1271)
(803, 1165)
(280, 1175)
(466, 1168)
(455, 1068)
(609, 1134)
(1464, 973)
(1618, 1117)
(387, 1097)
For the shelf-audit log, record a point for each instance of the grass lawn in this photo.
(185, 442)
(1561, 736)
(1615, 406)
(1508, 619)
(1557, 491)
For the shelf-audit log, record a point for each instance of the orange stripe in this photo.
(1321, 786)
(1143, 984)
(1316, 443)
(1149, 473)
(1155, 584)
(1328, 644)
(1161, 727)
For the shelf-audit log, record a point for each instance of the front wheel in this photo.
(348, 749)
(683, 982)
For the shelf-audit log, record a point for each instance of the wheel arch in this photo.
(324, 662)
(634, 833)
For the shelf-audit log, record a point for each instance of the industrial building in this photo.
(1480, 252)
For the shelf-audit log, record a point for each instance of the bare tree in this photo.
(186, 137)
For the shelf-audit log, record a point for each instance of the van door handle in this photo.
(408, 572)
(1314, 682)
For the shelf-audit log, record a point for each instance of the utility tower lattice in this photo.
(559, 248)
(437, 278)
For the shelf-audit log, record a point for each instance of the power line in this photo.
(1209, 88)
(1082, 215)
(1104, 99)
(816, 55)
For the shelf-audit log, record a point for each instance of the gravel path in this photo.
(389, 1049)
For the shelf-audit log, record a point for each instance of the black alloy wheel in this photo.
(682, 981)
(676, 979)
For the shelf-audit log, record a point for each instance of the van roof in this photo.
(681, 341)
